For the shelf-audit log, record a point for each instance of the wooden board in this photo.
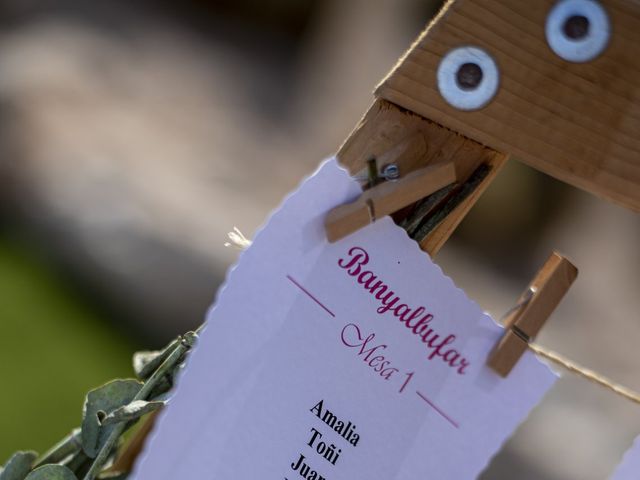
(385, 125)
(577, 122)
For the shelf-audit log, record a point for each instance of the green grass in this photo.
(54, 347)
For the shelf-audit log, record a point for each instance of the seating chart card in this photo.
(353, 360)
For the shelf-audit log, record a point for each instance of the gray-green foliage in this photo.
(99, 402)
(108, 412)
(131, 411)
(51, 472)
(18, 466)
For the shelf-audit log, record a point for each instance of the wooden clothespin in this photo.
(387, 198)
(392, 195)
(534, 306)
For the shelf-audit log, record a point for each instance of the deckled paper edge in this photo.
(476, 305)
(263, 226)
(633, 449)
(221, 288)
(413, 243)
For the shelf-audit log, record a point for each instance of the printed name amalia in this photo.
(328, 452)
(345, 430)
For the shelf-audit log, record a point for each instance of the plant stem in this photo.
(112, 439)
(65, 447)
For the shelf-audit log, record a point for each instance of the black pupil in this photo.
(576, 27)
(469, 76)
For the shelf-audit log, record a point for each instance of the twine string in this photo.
(586, 373)
(567, 364)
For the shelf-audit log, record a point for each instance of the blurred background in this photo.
(135, 135)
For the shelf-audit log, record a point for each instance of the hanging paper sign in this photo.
(629, 469)
(352, 360)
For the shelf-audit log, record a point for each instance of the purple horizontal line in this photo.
(292, 280)
(442, 414)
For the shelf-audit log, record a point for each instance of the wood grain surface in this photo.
(577, 122)
(385, 125)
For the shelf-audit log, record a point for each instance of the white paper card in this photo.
(352, 360)
(629, 469)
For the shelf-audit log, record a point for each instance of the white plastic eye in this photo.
(578, 30)
(468, 78)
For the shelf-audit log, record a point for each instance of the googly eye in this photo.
(578, 30)
(468, 78)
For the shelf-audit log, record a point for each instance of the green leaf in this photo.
(142, 359)
(132, 411)
(102, 401)
(18, 466)
(52, 472)
(147, 362)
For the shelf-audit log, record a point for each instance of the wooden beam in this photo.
(579, 122)
(385, 125)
